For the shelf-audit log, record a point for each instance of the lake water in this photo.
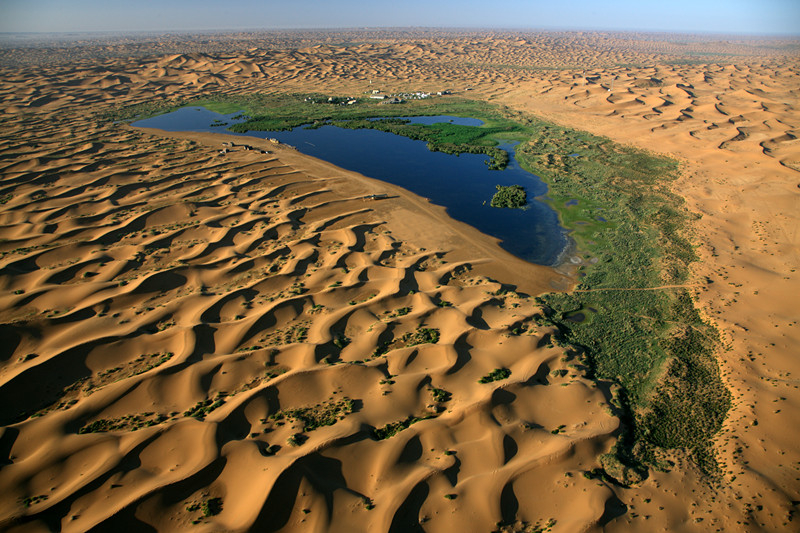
(462, 184)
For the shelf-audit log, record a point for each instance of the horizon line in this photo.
(417, 28)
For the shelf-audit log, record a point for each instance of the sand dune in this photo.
(242, 342)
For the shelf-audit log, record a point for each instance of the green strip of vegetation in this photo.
(279, 112)
(630, 229)
(445, 137)
(124, 423)
(204, 407)
(618, 205)
(392, 429)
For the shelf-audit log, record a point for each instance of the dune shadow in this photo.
(123, 521)
(323, 473)
(509, 504)
(406, 517)
(463, 349)
(502, 397)
(49, 379)
(203, 341)
(544, 341)
(11, 341)
(8, 436)
(476, 319)
(412, 451)
(212, 313)
(22, 266)
(510, 448)
(160, 282)
(540, 377)
(451, 472)
(614, 508)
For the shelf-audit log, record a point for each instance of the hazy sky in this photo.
(715, 16)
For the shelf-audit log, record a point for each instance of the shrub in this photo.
(513, 196)
(495, 375)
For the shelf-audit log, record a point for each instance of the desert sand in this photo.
(173, 318)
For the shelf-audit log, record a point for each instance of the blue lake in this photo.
(462, 184)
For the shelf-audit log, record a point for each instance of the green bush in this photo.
(495, 375)
(513, 196)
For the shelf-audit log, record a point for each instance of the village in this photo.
(376, 94)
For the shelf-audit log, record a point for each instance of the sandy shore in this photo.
(174, 319)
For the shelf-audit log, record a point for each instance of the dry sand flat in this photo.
(210, 301)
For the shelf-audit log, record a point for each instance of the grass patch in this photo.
(393, 428)
(440, 395)
(444, 137)
(207, 508)
(422, 336)
(124, 423)
(413, 338)
(204, 407)
(496, 375)
(33, 500)
(322, 414)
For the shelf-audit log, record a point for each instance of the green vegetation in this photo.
(140, 365)
(393, 428)
(322, 414)
(526, 527)
(495, 375)
(208, 508)
(403, 311)
(513, 196)
(653, 343)
(124, 423)
(440, 395)
(444, 137)
(420, 336)
(340, 340)
(33, 500)
(293, 334)
(204, 407)
(296, 440)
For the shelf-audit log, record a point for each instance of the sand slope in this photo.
(171, 318)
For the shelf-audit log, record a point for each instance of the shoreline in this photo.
(495, 262)
(506, 146)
